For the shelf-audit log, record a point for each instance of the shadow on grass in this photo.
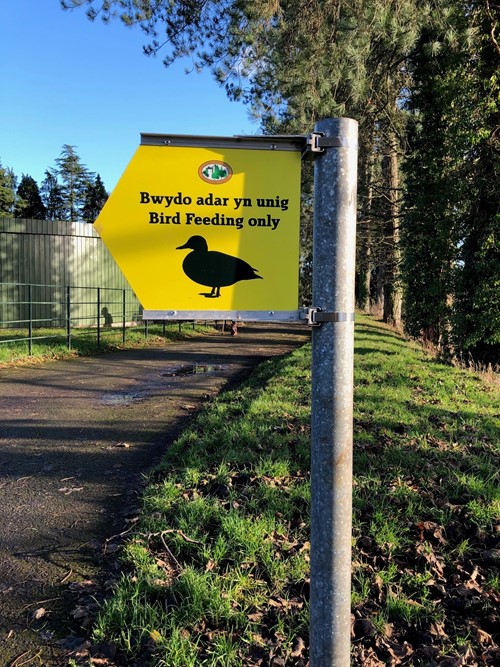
(230, 502)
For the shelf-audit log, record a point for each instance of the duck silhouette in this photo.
(212, 268)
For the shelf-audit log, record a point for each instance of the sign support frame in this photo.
(333, 145)
(282, 142)
(235, 315)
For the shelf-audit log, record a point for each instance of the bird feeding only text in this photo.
(178, 217)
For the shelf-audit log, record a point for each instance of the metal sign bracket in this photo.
(316, 143)
(316, 317)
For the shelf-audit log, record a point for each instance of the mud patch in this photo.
(195, 369)
(151, 387)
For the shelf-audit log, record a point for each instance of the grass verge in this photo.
(52, 343)
(217, 570)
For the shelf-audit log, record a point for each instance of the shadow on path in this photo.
(76, 438)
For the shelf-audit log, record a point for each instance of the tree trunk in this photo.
(392, 278)
(365, 260)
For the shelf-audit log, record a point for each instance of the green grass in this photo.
(52, 343)
(217, 571)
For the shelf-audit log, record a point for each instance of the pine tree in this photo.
(476, 303)
(95, 198)
(29, 204)
(74, 178)
(52, 196)
(450, 231)
(8, 195)
(294, 62)
(422, 79)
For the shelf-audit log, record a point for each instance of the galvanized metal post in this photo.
(332, 392)
(124, 316)
(68, 317)
(98, 317)
(30, 319)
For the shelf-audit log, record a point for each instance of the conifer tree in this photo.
(295, 62)
(421, 77)
(52, 196)
(8, 195)
(74, 178)
(450, 231)
(95, 198)
(29, 204)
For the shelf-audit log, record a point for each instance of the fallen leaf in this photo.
(257, 654)
(426, 552)
(255, 617)
(39, 613)
(434, 585)
(428, 653)
(428, 529)
(275, 602)
(365, 542)
(483, 637)
(364, 627)
(86, 586)
(437, 629)
(72, 643)
(367, 657)
(113, 548)
(298, 647)
(400, 651)
(388, 630)
(451, 661)
(80, 612)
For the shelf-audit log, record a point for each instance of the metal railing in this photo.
(32, 309)
(32, 312)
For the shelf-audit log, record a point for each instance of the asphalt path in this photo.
(76, 438)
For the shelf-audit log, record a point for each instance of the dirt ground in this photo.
(76, 438)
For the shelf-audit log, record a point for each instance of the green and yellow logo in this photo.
(215, 172)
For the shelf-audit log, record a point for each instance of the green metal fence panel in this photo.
(57, 254)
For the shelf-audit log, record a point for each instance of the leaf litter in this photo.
(228, 508)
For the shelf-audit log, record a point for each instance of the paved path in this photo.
(76, 437)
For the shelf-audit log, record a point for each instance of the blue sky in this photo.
(66, 80)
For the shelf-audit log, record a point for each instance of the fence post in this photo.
(30, 320)
(332, 392)
(68, 317)
(123, 315)
(98, 317)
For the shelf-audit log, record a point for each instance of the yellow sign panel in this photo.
(207, 229)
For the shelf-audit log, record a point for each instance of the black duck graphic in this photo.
(212, 268)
